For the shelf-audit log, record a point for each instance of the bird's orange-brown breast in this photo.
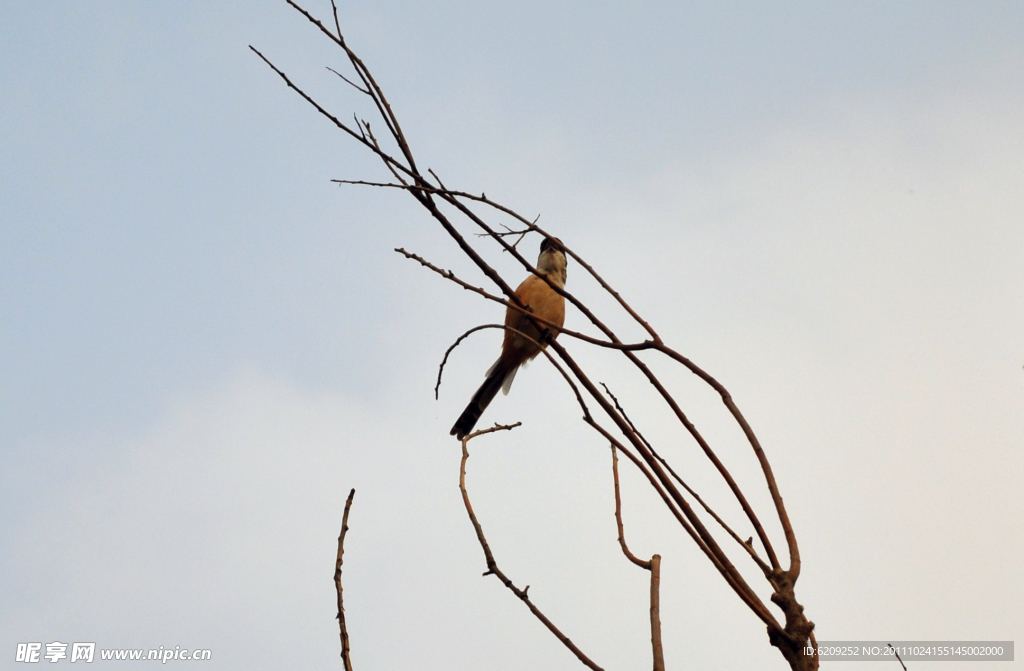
(545, 303)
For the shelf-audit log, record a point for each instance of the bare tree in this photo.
(793, 634)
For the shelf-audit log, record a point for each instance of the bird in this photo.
(543, 301)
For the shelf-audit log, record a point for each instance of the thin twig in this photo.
(492, 566)
(348, 81)
(618, 517)
(383, 107)
(337, 24)
(388, 160)
(895, 653)
(449, 275)
(345, 650)
(508, 233)
(492, 429)
(440, 369)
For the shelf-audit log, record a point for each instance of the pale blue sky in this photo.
(204, 344)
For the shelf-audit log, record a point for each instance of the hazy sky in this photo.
(204, 343)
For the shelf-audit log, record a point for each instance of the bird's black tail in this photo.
(481, 399)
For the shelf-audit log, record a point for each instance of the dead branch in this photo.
(348, 81)
(449, 275)
(618, 517)
(440, 369)
(696, 527)
(492, 565)
(656, 646)
(345, 650)
(746, 545)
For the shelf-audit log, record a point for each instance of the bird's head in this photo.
(552, 260)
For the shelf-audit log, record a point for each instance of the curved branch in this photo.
(766, 468)
(455, 344)
(492, 565)
(618, 517)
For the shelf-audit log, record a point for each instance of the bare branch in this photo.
(651, 377)
(337, 24)
(348, 81)
(773, 488)
(383, 107)
(656, 646)
(794, 553)
(618, 517)
(449, 275)
(362, 182)
(708, 452)
(696, 529)
(492, 565)
(492, 429)
(387, 159)
(455, 344)
(746, 545)
(691, 524)
(893, 652)
(345, 650)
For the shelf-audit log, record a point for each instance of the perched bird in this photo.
(516, 350)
